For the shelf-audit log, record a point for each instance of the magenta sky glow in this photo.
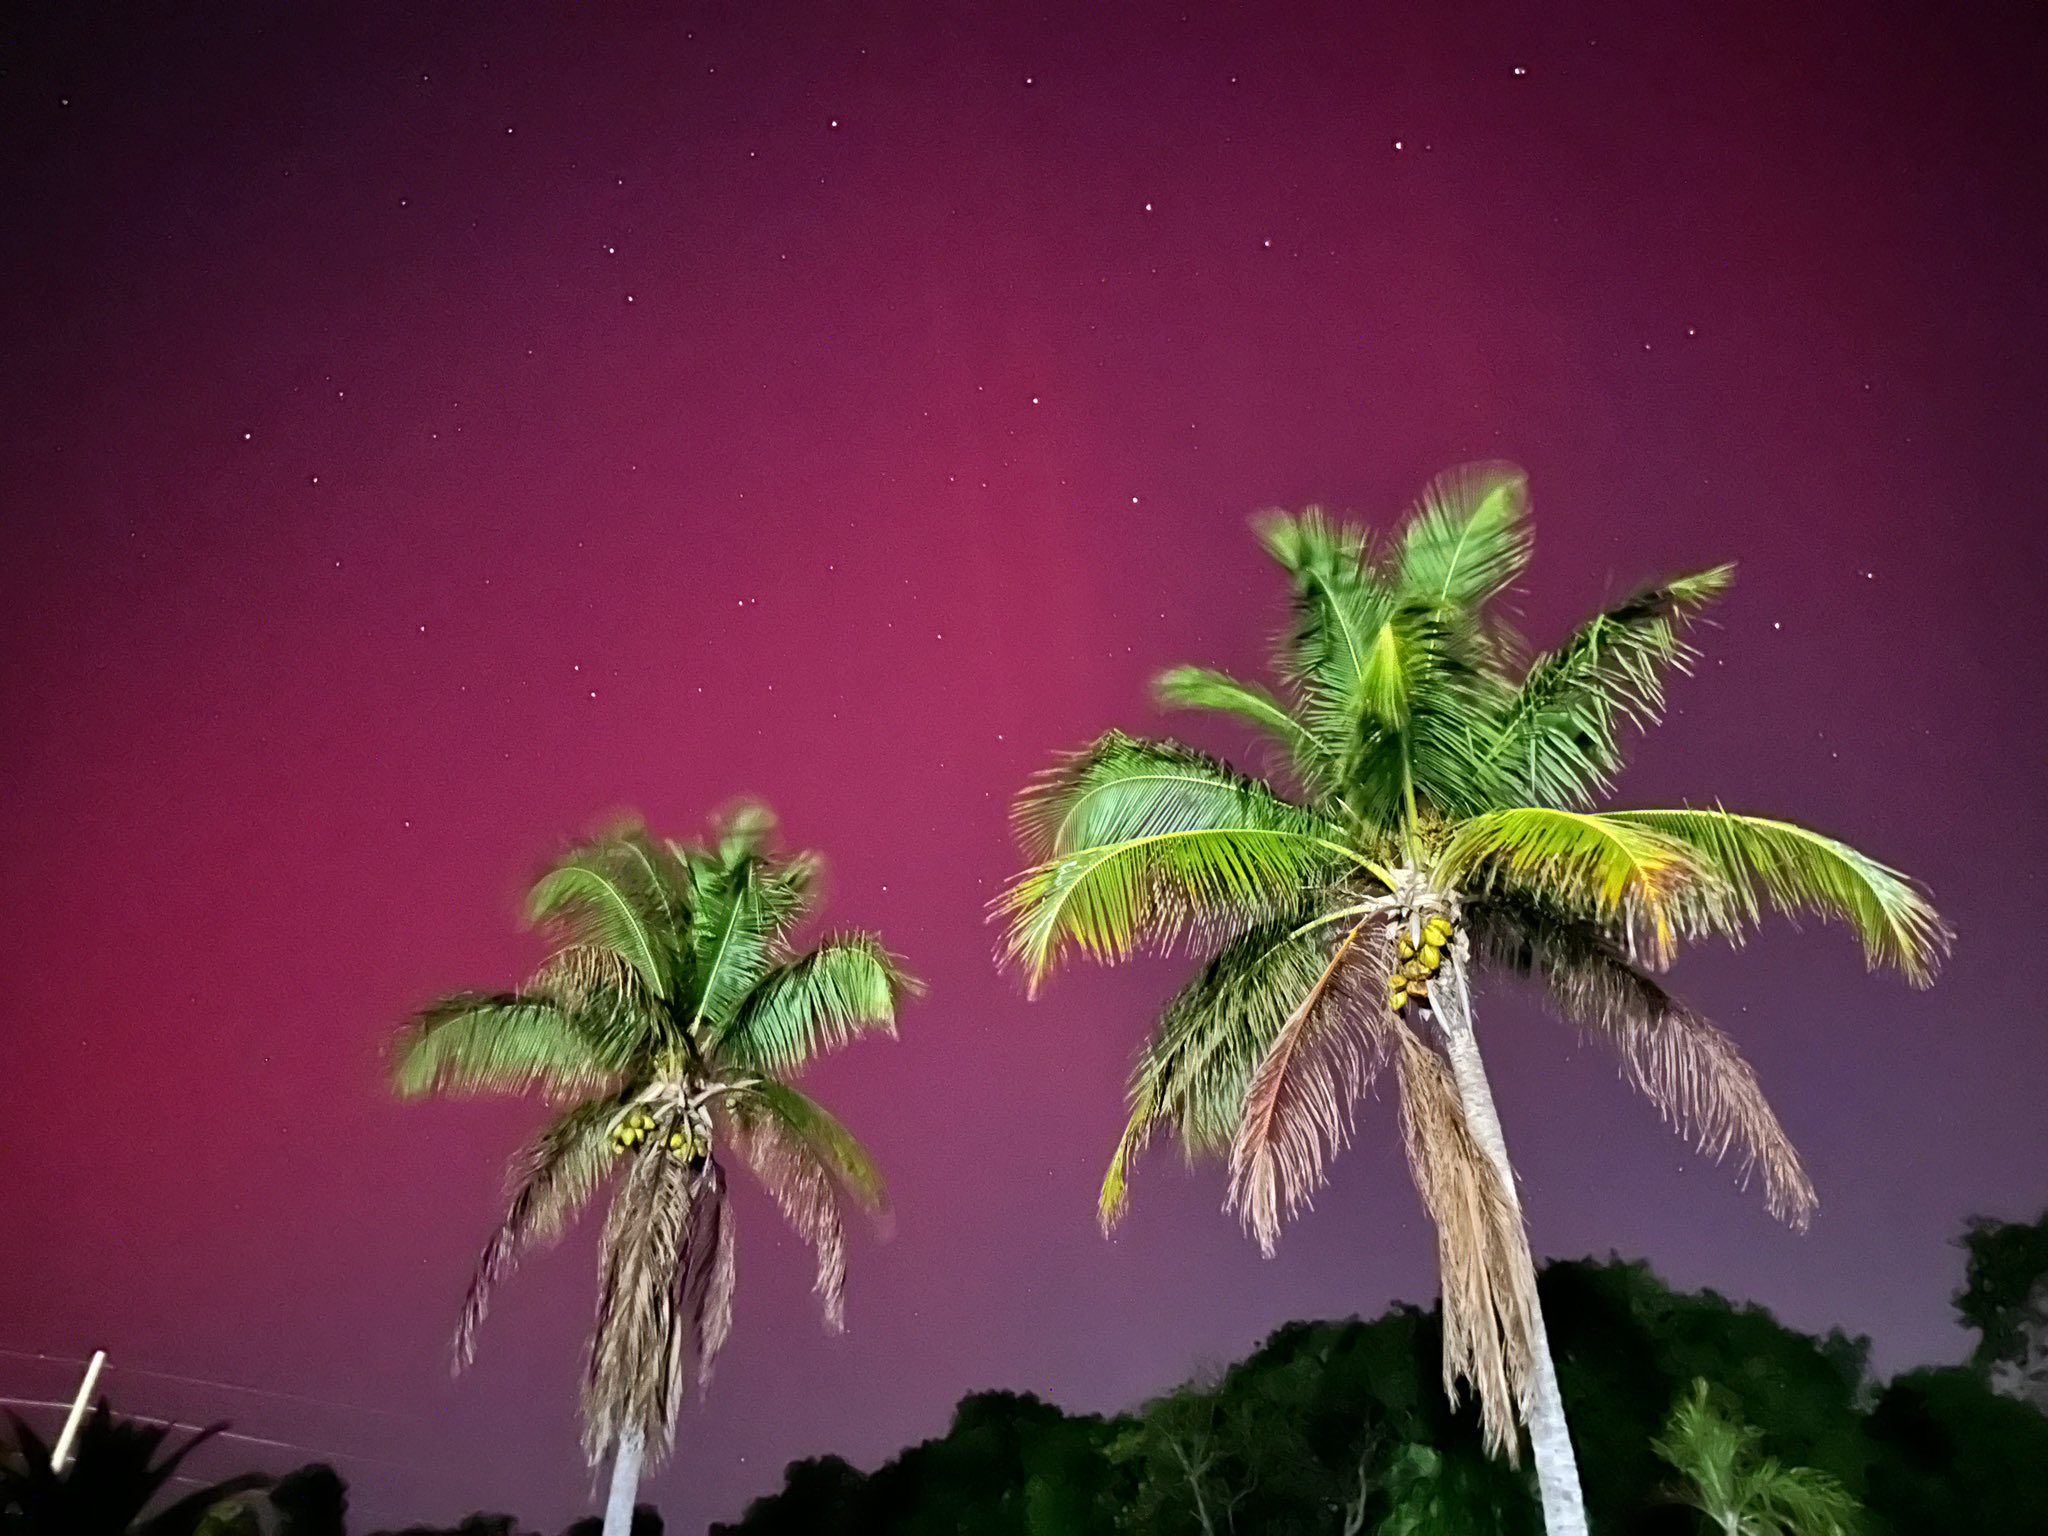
(427, 429)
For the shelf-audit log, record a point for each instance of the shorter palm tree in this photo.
(663, 1028)
(1741, 1492)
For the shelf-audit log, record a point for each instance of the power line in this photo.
(202, 1381)
(227, 1434)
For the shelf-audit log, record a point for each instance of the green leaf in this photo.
(1557, 742)
(1621, 872)
(1468, 538)
(586, 895)
(744, 920)
(830, 1142)
(1339, 604)
(474, 1042)
(1795, 871)
(1193, 1071)
(1202, 688)
(847, 986)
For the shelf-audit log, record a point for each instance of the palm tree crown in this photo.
(663, 1028)
(1433, 808)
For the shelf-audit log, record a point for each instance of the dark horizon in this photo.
(429, 434)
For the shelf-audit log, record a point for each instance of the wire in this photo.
(201, 1381)
(225, 1434)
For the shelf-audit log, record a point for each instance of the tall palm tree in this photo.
(1740, 1491)
(1432, 814)
(663, 1029)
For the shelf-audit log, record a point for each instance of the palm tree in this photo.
(110, 1482)
(1741, 1492)
(1431, 814)
(663, 1029)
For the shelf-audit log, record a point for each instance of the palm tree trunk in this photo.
(618, 1507)
(1557, 1468)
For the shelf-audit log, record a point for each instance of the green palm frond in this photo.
(744, 921)
(1468, 538)
(1192, 1074)
(482, 1042)
(1203, 688)
(1624, 873)
(1558, 740)
(1121, 788)
(1728, 1479)
(591, 896)
(1786, 867)
(1339, 603)
(1143, 842)
(846, 987)
(832, 1144)
(743, 830)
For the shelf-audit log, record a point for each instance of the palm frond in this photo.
(591, 897)
(1468, 538)
(1142, 842)
(1691, 1071)
(1203, 688)
(1339, 602)
(1728, 1479)
(1297, 1110)
(742, 921)
(847, 986)
(496, 1042)
(1786, 867)
(836, 1148)
(1625, 873)
(803, 1188)
(1193, 1072)
(743, 830)
(1489, 1289)
(1140, 1119)
(664, 1296)
(1558, 739)
(709, 1273)
(551, 1180)
(604, 996)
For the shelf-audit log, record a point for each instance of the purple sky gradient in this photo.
(426, 433)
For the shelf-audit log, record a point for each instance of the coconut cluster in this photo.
(1421, 958)
(638, 1126)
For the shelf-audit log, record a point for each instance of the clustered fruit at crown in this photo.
(1421, 958)
(638, 1126)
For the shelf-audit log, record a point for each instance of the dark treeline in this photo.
(1330, 1427)
(1345, 1428)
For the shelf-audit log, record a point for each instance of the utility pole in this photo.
(62, 1454)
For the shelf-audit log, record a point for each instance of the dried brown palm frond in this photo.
(1692, 1072)
(1298, 1105)
(665, 1294)
(549, 1182)
(1489, 1286)
(803, 1190)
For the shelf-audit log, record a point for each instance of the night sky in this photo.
(421, 435)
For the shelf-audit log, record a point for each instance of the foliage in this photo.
(1739, 1490)
(664, 1027)
(117, 1482)
(1948, 1454)
(1323, 1411)
(1435, 772)
(2008, 1268)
